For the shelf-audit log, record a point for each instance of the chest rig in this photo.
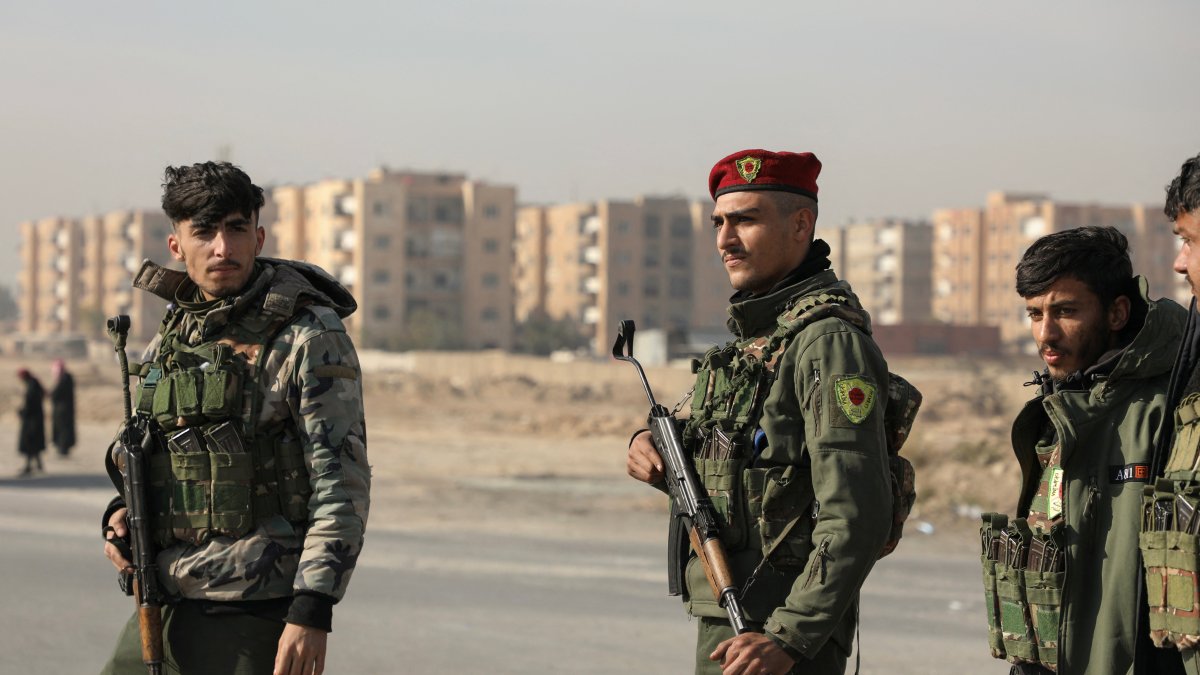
(763, 507)
(222, 471)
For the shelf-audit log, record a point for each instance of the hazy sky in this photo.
(910, 105)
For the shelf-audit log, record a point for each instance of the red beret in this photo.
(765, 170)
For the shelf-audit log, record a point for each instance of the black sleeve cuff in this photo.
(635, 435)
(788, 649)
(313, 610)
(115, 505)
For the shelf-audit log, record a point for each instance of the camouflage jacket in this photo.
(311, 390)
(1106, 430)
(824, 457)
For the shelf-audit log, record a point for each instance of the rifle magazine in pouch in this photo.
(1020, 640)
(192, 473)
(1172, 559)
(989, 533)
(722, 480)
(232, 471)
(788, 509)
(1043, 592)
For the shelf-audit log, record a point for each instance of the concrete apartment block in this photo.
(426, 255)
(888, 263)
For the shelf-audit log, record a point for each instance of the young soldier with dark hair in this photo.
(1062, 576)
(252, 374)
(1171, 538)
(787, 429)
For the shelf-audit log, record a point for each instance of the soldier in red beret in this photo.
(787, 427)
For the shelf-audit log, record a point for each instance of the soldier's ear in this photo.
(174, 247)
(261, 235)
(1118, 313)
(804, 223)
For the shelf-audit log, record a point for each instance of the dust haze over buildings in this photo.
(912, 107)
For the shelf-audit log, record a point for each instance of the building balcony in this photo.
(348, 275)
(346, 240)
(591, 315)
(592, 285)
(591, 255)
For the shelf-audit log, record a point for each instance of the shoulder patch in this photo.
(855, 397)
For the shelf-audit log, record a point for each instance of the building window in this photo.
(491, 211)
(491, 280)
(650, 288)
(623, 289)
(623, 227)
(680, 287)
(490, 314)
(379, 208)
(681, 227)
(653, 226)
(679, 258)
(382, 313)
(491, 245)
(382, 241)
(382, 276)
(651, 259)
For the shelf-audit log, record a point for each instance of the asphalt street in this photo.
(458, 601)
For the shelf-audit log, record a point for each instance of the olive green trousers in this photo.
(831, 660)
(195, 643)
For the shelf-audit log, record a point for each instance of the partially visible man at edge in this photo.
(255, 344)
(805, 453)
(1172, 626)
(1084, 444)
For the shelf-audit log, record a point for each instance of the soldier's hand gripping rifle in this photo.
(131, 454)
(693, 508)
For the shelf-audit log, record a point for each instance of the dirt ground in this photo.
(520, 433)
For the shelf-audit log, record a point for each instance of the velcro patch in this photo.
(1130, 473)
(855, 397)
(335, 370)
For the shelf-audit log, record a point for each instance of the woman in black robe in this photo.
(32, 440)
(62, 409)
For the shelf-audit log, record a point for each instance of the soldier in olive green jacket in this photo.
(1171, 540)
(1084, 445)
(787, 431)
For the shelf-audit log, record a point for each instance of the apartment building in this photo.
(975, 254)
(426, 255)
(77, 272)
(651, 259)
(888, 263)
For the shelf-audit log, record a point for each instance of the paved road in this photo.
(455, 602)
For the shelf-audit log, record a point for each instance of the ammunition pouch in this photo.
(208, 483)
(1170, 545)
(193, 396)
(1023, 574)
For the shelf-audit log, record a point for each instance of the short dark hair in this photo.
(1097, 256)
(207, 192)
(1183, 194)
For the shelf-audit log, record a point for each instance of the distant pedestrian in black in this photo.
(32, 440)
(62, 409)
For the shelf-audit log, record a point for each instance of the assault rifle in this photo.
(130, 455)
(693, 509)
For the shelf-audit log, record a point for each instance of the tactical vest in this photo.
(774, 508)
(1170, 537)
(220, 474)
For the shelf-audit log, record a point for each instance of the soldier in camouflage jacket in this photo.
(259, 559)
